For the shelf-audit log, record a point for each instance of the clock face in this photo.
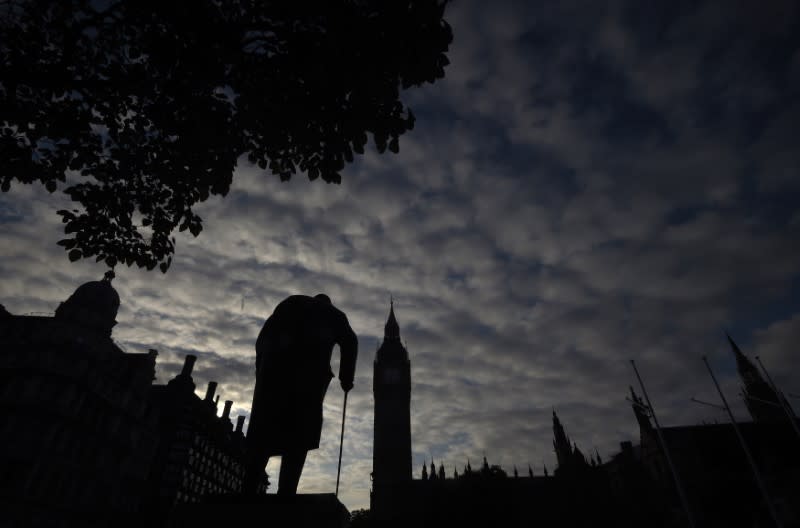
(392, 375)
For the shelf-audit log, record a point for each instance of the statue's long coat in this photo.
(293, 371)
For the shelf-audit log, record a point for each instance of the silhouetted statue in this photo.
(293, 355)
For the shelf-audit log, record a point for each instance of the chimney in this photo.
(188, 365)
(212, 388)
(240, 423)
(227, 411)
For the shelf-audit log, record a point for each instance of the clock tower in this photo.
(391, 455)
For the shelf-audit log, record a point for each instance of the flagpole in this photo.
(781, 400)
(678, 485)
(750, 459)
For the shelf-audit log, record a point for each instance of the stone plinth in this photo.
(317, 510)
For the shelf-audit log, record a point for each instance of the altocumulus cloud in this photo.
(591, 183)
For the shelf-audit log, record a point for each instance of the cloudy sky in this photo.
(593, 182)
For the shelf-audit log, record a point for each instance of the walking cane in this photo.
(341, 444)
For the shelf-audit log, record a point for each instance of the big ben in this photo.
(391, 456)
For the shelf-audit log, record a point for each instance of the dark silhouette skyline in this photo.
(672, 476)
(590, 183)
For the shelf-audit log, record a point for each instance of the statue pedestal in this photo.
(318, 510)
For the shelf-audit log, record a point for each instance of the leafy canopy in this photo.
(147, 105)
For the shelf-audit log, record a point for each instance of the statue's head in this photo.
(323, 298)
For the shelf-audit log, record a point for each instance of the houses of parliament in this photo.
(634, 487)
(89, 440)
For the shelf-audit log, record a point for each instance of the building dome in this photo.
(94, 306)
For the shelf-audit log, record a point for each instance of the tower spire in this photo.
(743, 365)
(391, 455)
(641, 411)
(392, 329)
(760, 399)
(561, 442)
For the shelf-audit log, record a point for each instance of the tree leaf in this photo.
(169, 144)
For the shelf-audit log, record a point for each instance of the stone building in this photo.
(391, 456)
(719, 484)
(77, 427)
(483, 497)
(88, 440)
(632, 488)
(199, 453)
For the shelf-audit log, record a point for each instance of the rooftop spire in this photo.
(392, 329)
(760, 398)
(742, 363)
(641, 411)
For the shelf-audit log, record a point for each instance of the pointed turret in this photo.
(530, 471)
(743, 365)
(392, 350)
(441, 472)
(761, 400)
(569, 457)
(433, 471)
(516, 473)
(641, 412)
(392, 329)
(424, 471)
(561, 443)
(578, 455)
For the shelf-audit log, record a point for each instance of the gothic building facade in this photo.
(391, 456)
(487, 496)
(88, 440)
(77, 428)
(634, 487)
(763, 402)
(720, 486)
(199, 454)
